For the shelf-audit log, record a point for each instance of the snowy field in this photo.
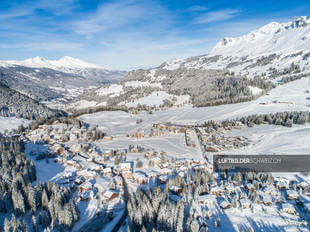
(157, 99)
(288, 97)
(11, 123)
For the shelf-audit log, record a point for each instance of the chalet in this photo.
(86, 196)
(86, 146)
(280, 199)
(245, 203)
(211, 149)
(271, 190)
(157, 133)
(207, 199)
(140, 178)
(148, 154)
(76, 148)
(58, 160)
(218, 191)
(282, 184)
(60, 150)
(138, 134)
(106, 171)
(127, 174)
(108, 138)
(125, 166)
(85, 186)
(108, 153)
(292, 194)
(87, 174)
(110, 195)
(288, 208)
(175, 190)
(72, 163)
(225, 205)
(267, 200)
(158, 126)
(250, 187)
(98, 168)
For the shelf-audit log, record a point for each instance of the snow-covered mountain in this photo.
(279, 52)
(274, 37)
(47, 80)
(64, 62)
(272, 49)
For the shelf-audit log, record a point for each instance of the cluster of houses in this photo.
(137, 135)
(214, 140)
(170, 128)
(286, 196)
(60, 133)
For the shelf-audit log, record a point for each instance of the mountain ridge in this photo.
(275, 53)
(40, 62)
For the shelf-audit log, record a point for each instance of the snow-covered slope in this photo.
(272, 38)
(64, 63)
(275, 49)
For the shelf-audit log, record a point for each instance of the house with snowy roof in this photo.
(225, 204)
(110, 195)
(85, 186)
(207, 199)
(245, 203)
(292, 194)
(288, 208)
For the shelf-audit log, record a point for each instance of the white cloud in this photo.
(215, 16)
(196, 8)
(119, 14)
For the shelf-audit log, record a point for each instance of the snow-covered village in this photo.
(129, 139)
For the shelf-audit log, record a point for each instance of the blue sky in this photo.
(131, 34)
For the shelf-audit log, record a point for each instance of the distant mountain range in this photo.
(45, 80)
(235, 70)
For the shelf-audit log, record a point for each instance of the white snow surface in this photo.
(157, 98)
(271, 38)
(39, 62)
(11, 123)
(142, 84)
(113, 89)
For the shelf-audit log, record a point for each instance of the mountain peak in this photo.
(271, 38)
(65, 62)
